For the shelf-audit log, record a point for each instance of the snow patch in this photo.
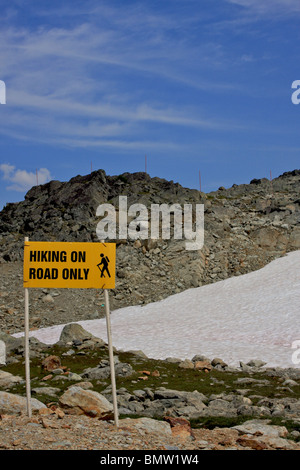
(252, 316)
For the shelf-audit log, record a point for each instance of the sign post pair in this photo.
(69, 265)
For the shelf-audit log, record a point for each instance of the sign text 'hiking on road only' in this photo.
(69, 265)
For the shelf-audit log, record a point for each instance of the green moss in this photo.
(170, 376)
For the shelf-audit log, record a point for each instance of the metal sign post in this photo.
(27, 354)
(111, 358)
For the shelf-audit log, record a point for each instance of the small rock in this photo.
(180, 427)
(203, 365)
(50, 363)
(155, 373)
(256, 363)
(218, 362)
(48, 298)
(186, 364)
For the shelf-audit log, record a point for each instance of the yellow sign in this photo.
(73, 265)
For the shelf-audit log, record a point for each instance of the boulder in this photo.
(7, 379)
(76, 400)
(256, 363)
(15, 404)
(11, 343)
(17, 344)
(73, 331)
(102, 371)
(217, 362)
(186, 364)
(261, 427)
(147, 425)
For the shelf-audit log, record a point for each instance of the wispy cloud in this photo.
(61, 74)
(270, 7)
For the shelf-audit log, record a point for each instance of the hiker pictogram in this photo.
(103, 265)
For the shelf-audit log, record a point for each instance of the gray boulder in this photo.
(102, 371)
(15, 404)
(259, 427)
(75, 332)
(7, 379)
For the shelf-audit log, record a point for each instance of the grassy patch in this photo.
(166, 374)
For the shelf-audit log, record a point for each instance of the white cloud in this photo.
(23, 180)
(7, 170)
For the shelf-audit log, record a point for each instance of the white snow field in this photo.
(252, 316)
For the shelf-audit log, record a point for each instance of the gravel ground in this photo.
(84, 433)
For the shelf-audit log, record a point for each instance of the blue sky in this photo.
(196, 85)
